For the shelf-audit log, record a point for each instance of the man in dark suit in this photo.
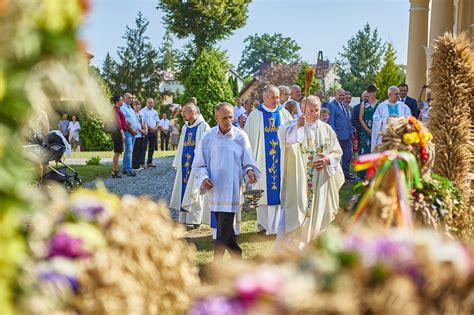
(409, 101)
(340, 121)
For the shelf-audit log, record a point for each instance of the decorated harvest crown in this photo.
(409, 134)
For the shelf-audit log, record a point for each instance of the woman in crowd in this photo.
(175, 132)
(74, 128)
(138, 154)
(424, 106)
(366, 114)
(248, 105)
(118, 136)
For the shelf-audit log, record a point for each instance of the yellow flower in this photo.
(410, 138)
(428, 136)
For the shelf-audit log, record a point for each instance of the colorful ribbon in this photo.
(407, 176)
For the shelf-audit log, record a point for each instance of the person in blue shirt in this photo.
(133, 124)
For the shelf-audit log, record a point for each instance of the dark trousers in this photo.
(226, 238)
(138, 151)
(150, 140)
(165, 140)
(346, 146)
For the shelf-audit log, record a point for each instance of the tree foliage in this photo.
(135, 71)
(360, 60)
(207, 21)
(208, 83)
(266, 49)
(390, 74)
(167, 55)
(276, 74)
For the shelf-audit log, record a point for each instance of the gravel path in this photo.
(156, 182)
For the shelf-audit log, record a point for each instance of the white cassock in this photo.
(225, 160)
(190, 202)
(268, 214)
(384, 111)
(310, 198)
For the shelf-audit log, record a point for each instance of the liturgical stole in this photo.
(271, 122)
(187, 157)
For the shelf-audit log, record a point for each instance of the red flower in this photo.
(310, 157)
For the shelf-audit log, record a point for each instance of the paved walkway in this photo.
(155, 182)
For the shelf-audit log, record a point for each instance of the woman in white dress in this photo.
(74, 128)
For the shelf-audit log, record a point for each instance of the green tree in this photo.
(390, 74)
(207, 82)
(207, 21)
(235, 88)
(138, 59)
(109, 71)
(167, 55)
(300, 80)
(360, 60)
(267, 49)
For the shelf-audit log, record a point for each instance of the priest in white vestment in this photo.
(184, 198)
(223, 159)
(312, 176)
(262, 129)
(392, 107)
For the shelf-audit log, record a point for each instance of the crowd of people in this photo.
(136, 134)
(296, 150)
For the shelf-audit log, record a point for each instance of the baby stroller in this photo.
(51, 150)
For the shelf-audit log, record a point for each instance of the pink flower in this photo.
(310, 157)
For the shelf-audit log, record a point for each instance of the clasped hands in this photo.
(320, 163)
(208, 184)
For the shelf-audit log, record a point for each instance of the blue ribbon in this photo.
(271, 122)
(187, 157)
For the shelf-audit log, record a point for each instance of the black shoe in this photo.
(116, 174)
(132, 173)
(150, 165)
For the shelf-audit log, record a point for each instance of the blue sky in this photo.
(315, 25)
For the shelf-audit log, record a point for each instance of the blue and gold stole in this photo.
(187, 156)
(271, 122)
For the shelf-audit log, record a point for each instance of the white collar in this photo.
(268, 109)
(314, 125)
(229, 133)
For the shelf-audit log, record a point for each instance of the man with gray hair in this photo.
(391, 108)
(295, 95)
(151, 119)
(185, 197)
(223, 158)
(284, 94)
(262, 127)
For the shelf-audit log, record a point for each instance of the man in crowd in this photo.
(63, 126)
(185, 197)
(262, 127)
(409, 101)
(165, 131)
(151, 119)
(320, 95)
(239, 109)
(391, 108)
(222, 158)
(284, 94)
(296, 96)
(340, 121)
(347, 101)
(313, 154)
(133, 124)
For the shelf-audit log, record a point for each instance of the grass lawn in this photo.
(91, 172)
(109, 154)
(252, 244)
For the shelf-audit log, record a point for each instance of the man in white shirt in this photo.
(239, 109)
(151, 119)
(165, 132)
(296, 96)
(223, 158)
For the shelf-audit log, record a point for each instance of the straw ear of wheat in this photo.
(308, 79)
(451, 75)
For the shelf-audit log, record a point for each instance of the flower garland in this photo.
(418, 136)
